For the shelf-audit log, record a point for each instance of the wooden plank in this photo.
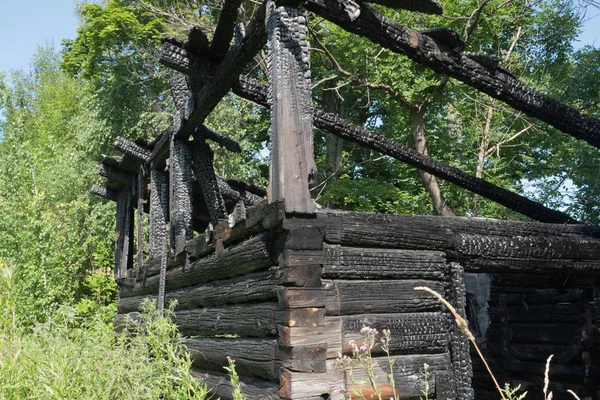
(329, 333)
(357, 297)
(252, 388)
(246, 257)
(141, 193)
(292, 160)
(301, 385)
(527, 296)
(542, 313)
(359, 263)
(260, 218)
(538, 333)
(258, 286)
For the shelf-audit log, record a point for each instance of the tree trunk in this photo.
(333, 144)
(417, 114)
(485, 141)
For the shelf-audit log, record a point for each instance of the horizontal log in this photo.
(541, 313)
(357, 297)
(198, 247)
(133, 149)
(252, 388)
(259, 218)
(563, 353)
(259, 320)
(507, 264)
(526, 247)
(104, 192)
(515, 296)
(253, 357)
(537, 333)
(115, 175)
(539, 280)
(360, 263)
(258, 286)
(328, 332)
(431, 232)
(366, 21)
(302, 385)
(248, 256)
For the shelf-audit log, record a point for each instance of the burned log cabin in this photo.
(291, 284)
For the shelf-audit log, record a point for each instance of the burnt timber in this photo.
(296, 284)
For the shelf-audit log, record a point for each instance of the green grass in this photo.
(70, 357)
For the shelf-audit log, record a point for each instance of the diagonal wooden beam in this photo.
(424, 6)
(224, 31)
(258, 92)
(366, 21)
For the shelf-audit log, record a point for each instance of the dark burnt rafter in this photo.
(257, 92)
(364, 20)
(224, 30)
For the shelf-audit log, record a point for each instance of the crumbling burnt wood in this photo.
(133, 149)
(459, 343)
(235, 191)
(180, 92)
(422, 232)
(202, 159)
(252, 388)
(180, 196)
(224, 30)
(369, 23)
(159, 213)
(292, 163)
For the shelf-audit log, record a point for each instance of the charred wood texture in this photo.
(257, 92)
(224, 31)
(371, 140)
(141, 194)
(258, 286)
(122, 179)
(369, 23)
(180, 92)
(221, 140)
(205, 175)
(133, 149)
(105, 192)
(180, 197)
(124, 234)
(292, 163)
(246, 257)
(459, 343)
(159, 212)
(424, 6)
(252, 388)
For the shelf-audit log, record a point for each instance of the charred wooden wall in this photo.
(295, 291)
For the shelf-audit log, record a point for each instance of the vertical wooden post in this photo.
(459, 343)
(124, 231)
(292, 158)
(180, 194)
(140, 216)
(159, 212)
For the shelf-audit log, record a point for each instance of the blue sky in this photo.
(27, 24)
